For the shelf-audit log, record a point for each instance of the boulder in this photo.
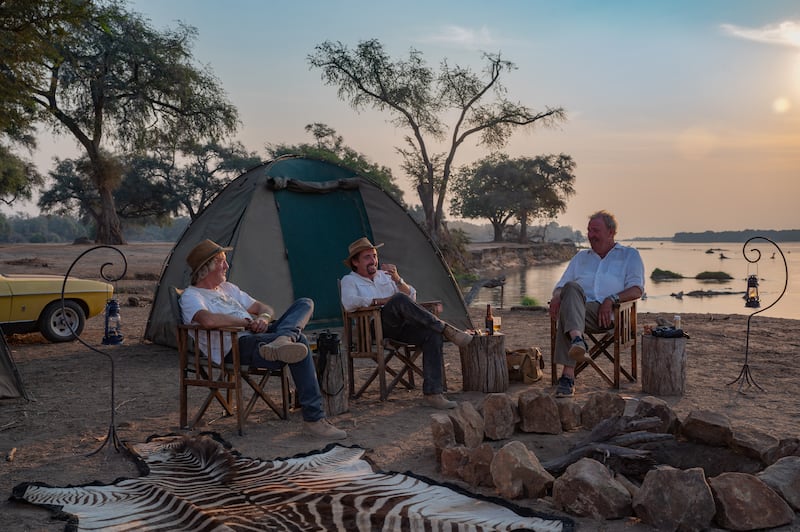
(499, 416)
(587, 489)
(746, 503)
(467, 424)
(600, 406)
(538, 412)
(516, 472)
(710, 428)
(674, 499)
(784, 477)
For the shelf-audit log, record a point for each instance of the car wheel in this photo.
(58, 322)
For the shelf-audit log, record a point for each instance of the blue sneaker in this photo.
(566, 387)
(578, 349)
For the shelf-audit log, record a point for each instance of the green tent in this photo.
(290, 222)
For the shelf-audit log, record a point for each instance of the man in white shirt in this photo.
(593, 282)
(214, 302)
(401, 317)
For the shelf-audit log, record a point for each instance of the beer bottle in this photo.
(489, 320)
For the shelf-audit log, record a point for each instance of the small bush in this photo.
(664, 275)
(713, 276)
(528, 301)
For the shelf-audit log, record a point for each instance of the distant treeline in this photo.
(786, 235)
(56, 228)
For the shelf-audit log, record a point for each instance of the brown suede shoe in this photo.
(324, 429)
(458, 337)
(283, 349)
(439, 401)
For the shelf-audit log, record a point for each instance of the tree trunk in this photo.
(109, 230)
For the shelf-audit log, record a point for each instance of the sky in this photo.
(682, 115)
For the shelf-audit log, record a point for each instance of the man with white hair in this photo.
(213, 302)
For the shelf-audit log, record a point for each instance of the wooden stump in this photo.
(333, 385)
(663, 365)
(483, 364)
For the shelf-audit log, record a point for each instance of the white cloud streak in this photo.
(786, 33)
(461, 37)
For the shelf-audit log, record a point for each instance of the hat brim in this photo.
(216, 252)
(357, 251)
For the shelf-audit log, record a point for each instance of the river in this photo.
(688, 260)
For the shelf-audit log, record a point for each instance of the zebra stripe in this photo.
(197, 484)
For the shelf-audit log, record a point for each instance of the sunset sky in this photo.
(682, 115)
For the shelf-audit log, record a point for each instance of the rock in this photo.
(654, 407)
(755, 443)
(570, 414)
(477, 471)
(784, 477)
(517, 472)
(453, 459)
(708, 427)
(746, 503)
(538, 413)
(586, 489)
(673, 499)
(786, 447)
(443, 433)
(467, 424)
(600, 406)
(499, 416)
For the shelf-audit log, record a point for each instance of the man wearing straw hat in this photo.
(214, 302)
(401, 317)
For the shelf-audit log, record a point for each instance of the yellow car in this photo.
(31, 303)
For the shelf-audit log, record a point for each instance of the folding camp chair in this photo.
(607, 342)
(197, 369)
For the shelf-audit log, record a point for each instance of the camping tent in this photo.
(10, 381)
(290, 222)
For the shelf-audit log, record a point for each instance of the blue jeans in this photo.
(402, 319)
(304, 373)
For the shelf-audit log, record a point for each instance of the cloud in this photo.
(786, 33)
(461, 37)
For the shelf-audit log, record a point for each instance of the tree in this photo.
(500, 188)
(25, 28)
(329, 146)
(116, 81)
(419, 99)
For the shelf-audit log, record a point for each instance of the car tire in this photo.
(58, 322)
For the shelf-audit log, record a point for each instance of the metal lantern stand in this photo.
(113, 334)
(752, 300)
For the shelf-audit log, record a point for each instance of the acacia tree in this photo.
(419, 99)
(330, 146)
(500, 188)
(25, 28)
(115, 81)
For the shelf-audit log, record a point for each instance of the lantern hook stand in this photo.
(744, 375)
(111, 436)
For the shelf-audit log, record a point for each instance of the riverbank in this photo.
(490, 258)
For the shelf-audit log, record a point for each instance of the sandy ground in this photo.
(69, 414)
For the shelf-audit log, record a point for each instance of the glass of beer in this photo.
(498, 321)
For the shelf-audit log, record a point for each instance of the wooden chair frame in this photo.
(363, 338)
(196, 369)
(601, 342)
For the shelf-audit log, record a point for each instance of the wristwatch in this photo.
(614, 299)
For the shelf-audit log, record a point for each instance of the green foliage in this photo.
(499, 188)
(112, 79)
(528, 301)
(713, 276)
(419, 98)
(330, 147)
(664, 275)
(18, 177)
(41, 229)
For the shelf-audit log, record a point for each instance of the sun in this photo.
(781, 105)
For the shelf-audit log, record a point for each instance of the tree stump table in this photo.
(663, 365)
(483, 364)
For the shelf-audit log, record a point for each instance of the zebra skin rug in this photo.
(199, 483)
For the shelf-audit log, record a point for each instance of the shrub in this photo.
(528, 301)
(664, 275)
(713, 276)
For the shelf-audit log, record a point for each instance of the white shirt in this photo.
(358, 291)
(621, 268)
(228, 299)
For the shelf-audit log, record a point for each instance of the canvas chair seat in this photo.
(606, 345)
(223, 381)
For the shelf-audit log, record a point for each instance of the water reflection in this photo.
(688, 260)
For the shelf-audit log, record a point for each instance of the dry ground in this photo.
(69, 414)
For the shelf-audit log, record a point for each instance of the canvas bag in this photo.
(525, 365)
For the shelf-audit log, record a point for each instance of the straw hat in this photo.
(202, 253)
(357, 247)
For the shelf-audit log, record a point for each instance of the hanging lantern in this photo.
(751, 299)
(113, 326)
